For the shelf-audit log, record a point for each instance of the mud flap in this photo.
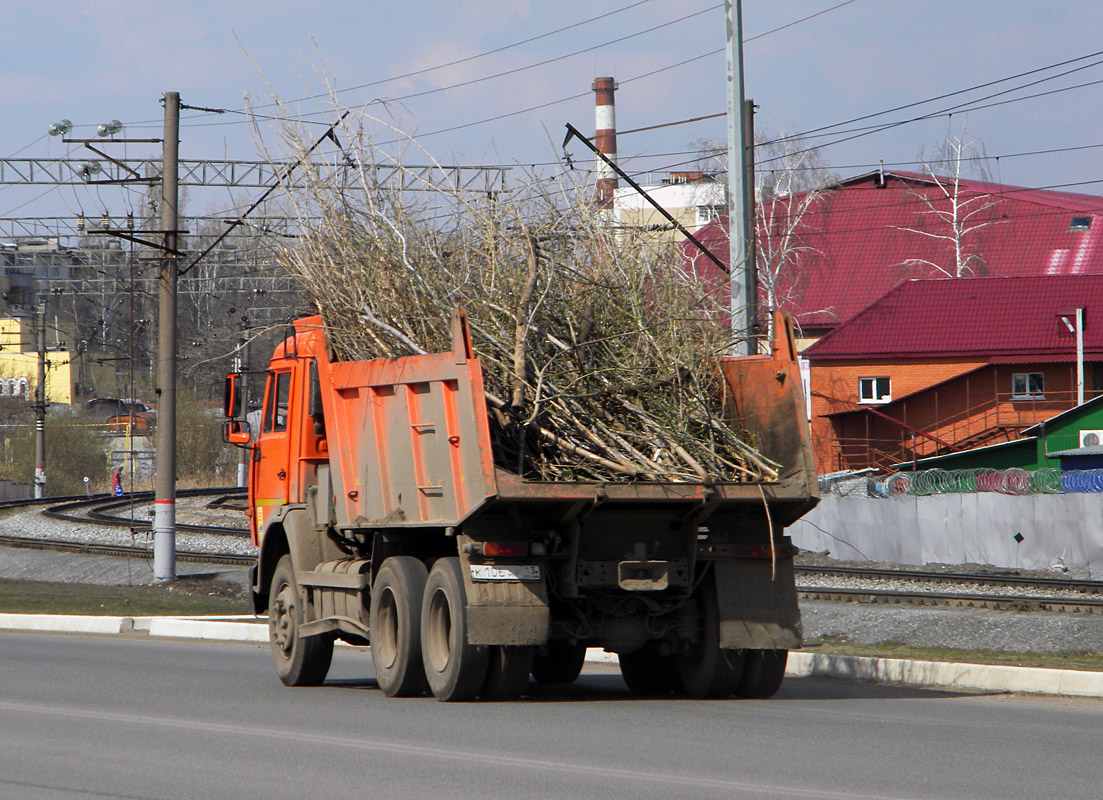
(505, 612)
(757, 611)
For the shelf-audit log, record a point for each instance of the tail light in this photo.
(505, 548)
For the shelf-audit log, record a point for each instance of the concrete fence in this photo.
(1028, 532)
(15, 491)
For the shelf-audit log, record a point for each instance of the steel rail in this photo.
(62, 507)
(85, 548)
(98, 503)
(1088, 587)
(1089, 605)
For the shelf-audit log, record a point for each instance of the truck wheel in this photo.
(299, 661)
(507, 672)
(396, 626)
(645, 672)
(455, 669)
(763, 671)
(707, 672)
(562, 663)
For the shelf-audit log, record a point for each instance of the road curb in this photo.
(940, 674)
(921, 674)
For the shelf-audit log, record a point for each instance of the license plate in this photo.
(524, 572)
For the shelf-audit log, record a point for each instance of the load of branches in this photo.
(600, 354)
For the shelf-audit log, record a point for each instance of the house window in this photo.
(1080, 224)
(706, 214)
(874, 390)
(1028, 386)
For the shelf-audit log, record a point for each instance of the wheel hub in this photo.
(280, 620)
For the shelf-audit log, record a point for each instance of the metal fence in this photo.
(965, 481)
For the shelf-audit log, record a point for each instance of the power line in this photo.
(920, 200)
(692, 59)
(425, 70)
(960, 107)
(875, 128)
(805, 134)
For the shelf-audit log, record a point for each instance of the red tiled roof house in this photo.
(944, 365)
(861, 237)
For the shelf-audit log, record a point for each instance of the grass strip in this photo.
(184, 598)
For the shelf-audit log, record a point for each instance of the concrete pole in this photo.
(605, 139)
(742, 278)
(164, 509)
(39, 326)
(1079, 356)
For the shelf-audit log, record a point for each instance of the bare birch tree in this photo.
(952, 213)
(791, 186)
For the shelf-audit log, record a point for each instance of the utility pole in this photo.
(39, 326)
(164, 513)
(743, 280)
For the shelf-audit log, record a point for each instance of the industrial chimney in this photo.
(605, 138)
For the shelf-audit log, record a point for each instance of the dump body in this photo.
(357, 462)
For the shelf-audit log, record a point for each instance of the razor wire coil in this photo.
(926, 483)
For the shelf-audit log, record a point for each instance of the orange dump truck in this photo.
(382, 519)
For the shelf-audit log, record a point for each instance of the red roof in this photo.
(1011, 319)
(857, 241)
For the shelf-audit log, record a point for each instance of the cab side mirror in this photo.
(231, 400)
(236, 431)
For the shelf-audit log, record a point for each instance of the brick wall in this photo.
(834, 387)
(955, 402)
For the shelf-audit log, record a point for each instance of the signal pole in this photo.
(39, 326)
(164, 509)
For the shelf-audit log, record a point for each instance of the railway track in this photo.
(834, 583)
(1000, 602)
(956, 589)
(96, 510)
(923, 577)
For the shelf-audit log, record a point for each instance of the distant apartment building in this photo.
(693, 198)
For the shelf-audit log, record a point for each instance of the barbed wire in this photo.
(925, 483)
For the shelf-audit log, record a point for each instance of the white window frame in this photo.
(873, 396)
(706, 214)
(1025, 387)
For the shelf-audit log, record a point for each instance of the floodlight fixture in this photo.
(109, 128)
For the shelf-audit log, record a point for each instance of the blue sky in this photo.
(91, 62)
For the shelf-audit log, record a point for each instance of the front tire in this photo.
(299, 661)
(396, 626)
(454, 668)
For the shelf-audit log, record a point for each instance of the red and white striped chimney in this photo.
(605, 139)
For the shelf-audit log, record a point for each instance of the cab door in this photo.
(271, 451)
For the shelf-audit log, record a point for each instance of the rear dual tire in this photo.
(396, 626)
(456, 670)
(763, 671)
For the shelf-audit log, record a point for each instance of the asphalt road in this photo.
(84, 717)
